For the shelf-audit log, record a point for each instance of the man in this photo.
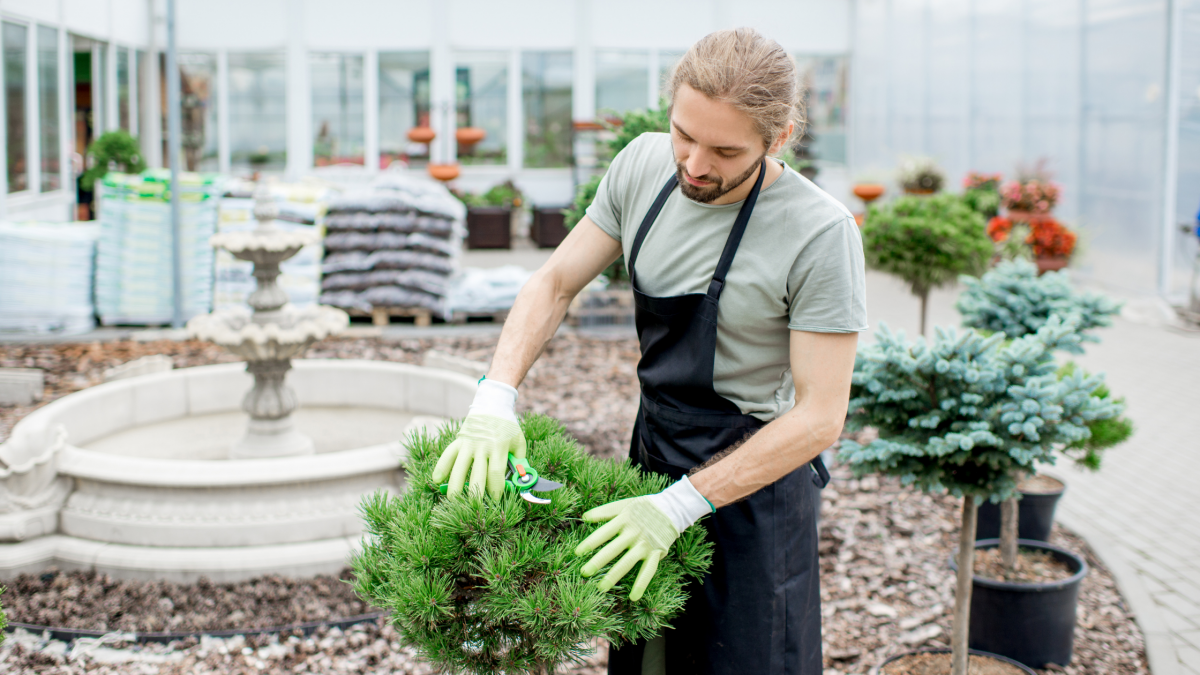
(749, 290)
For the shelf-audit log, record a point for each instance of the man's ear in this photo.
(782, 140)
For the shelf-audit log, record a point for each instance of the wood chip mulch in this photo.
(886, 583)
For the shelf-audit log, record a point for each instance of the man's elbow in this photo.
(825, 427)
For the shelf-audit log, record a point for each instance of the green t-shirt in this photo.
(799, 267)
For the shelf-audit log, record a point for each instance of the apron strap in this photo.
(735, 236)
(644, 228)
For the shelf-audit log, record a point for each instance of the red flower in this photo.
(1049, 238)
(998, 228)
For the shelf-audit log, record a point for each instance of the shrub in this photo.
(926, 241)
(1106, 433)
(487, 587)
(920, 174)
(1012, 299)
(981, 192)
(113, 151)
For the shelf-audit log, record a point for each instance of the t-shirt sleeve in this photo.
(607, 207)
(827, 283)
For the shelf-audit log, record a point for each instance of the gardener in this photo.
(749, 291)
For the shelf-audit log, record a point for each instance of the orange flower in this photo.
(1049, 238)
(998, 228)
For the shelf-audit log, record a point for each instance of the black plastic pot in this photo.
(976, 652)
(489, 227)
(548, 228)
(1034, 519)
(1032, 623)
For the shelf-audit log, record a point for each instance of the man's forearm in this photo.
(533, 320)
(779, 448)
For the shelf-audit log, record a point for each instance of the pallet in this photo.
(382, 316)
(460, 318)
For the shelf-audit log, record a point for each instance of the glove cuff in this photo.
(496, 399)
(682, 503)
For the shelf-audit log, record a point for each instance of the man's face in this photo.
(716, 146)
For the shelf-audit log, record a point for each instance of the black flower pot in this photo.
(489, 227)
(1035, 516)
(1031, 623)
(976, 652)
(548, 228)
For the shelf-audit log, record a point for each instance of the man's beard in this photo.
(706, 195)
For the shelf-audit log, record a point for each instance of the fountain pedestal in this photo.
(270, 336)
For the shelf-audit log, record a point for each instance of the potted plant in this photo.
(548, 226)
(920, 176)
(926, 241)
(443, 172)
(981, 192)
(113, 151)
(1052, 243)
(1029, 196)
(421, 135)
(966, 413)
(489, 216)
(1014, 300)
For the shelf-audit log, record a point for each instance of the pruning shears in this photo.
(523, 479)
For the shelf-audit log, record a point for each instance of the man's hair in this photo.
(749, 71)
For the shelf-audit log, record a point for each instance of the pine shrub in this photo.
(1012, 299)
(3, 619)
(486, 587)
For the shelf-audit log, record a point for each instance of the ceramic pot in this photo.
(869, 192)
(421, 134)
(468, 136)
(1051, 263)
(443, 172)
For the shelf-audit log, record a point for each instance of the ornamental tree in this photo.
(1012, 299)
(967, 414)
(926, 241)
(490, 587)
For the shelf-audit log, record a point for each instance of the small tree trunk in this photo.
(924, 306)
(962, 595)
(1009, 519)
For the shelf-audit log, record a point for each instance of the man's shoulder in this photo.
(809, 207)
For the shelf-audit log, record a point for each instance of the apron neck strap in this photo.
(644, 228)
(735, 236)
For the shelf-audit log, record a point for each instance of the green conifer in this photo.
(1012, 299)
(486, 587)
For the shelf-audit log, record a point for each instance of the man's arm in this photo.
(542, 302)
(821, 367)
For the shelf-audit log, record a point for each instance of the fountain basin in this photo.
(149, 491)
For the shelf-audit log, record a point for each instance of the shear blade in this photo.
(536, 500)
(544, 485)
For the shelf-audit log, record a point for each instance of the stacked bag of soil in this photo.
(394, 246)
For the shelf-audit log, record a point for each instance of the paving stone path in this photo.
(1141, 512)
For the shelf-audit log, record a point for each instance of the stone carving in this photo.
(31, 491)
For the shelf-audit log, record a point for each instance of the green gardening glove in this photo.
(644, 528)
(482, 448)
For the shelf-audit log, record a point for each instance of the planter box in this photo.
(548, 229)
(489, 227)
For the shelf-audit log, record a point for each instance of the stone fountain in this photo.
(165, 476)
(270, 336)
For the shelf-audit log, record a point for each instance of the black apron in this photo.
(758, 609)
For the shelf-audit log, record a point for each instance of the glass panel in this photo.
(621, 81)
(198, 110)
(403, 104)
(257, 111)
(546, 82)
(337, 108)
(15, 42)
(666, 63)
(48, 107)
(481, 84)
(123, 88)
(139, 66)
(824, 80)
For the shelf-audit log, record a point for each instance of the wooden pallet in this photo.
(462, 317)
(382, 316)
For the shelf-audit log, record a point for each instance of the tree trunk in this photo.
(962, 595)
(1009, 518)
(924, 306)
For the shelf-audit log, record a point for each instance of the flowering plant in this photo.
(1050, 238)
(976, 180)
(998, 228)
(1036, 195)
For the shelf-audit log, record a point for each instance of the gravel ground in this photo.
(886, 584)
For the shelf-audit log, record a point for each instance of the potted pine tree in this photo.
(1013, 299)
(966, 413)
(486, 587)
(926, 241)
